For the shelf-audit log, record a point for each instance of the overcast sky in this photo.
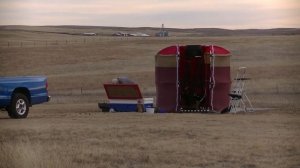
(232, 14)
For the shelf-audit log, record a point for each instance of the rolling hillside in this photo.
(196, 32)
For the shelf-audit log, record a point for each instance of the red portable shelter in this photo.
(192, 78)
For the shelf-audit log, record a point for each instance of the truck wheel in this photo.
(19, 106)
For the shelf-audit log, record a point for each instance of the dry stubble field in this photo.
(70, 131)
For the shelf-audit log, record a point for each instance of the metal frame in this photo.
(238, 96)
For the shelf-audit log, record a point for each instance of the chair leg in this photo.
(244, 105)
(250, 104)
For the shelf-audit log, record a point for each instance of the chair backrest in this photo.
(123, 91)
(239, 83)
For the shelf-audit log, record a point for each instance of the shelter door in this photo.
(192, 77)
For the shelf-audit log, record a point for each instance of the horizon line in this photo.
(153, 27)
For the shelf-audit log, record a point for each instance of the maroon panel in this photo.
(122, 91)
(221, 98)
(166, 97)
(221, 88)
(165, 75)
(165, 79)
(222, 74)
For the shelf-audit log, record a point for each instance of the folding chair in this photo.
(238, 93)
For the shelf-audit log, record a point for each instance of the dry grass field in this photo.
(70, 131)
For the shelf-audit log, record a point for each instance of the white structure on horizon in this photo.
(138, 34)
(89, 34)
(120, 34)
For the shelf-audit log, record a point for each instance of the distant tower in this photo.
(162, 32)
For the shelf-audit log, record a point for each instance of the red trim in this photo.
(168, 51)
(172, 50)
(217, 50)
(133, 91)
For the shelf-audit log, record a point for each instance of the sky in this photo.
(230, 14)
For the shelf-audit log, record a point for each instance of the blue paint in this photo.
(125, 107)
(36, 85)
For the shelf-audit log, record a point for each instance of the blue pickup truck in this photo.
(17, 94)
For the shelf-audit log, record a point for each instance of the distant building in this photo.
(138, 34)
(162, 33)
(120, 34)
(89, 34)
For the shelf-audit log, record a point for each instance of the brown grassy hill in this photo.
(107, 31)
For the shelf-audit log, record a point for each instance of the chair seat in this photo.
(235, 96)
